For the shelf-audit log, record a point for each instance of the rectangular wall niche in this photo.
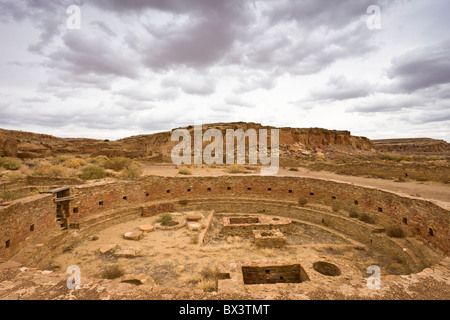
(274, 274)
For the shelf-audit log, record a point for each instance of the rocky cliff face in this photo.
(293, 141)
(411, 145)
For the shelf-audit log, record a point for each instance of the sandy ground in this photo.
(439, 193)
(173, 261)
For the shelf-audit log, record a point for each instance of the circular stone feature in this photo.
(194, 217)
(146, 228)
(327, 269)
(134, 235)
(194, 226)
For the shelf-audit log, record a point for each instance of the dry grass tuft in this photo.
(10, 163)
(237, 168)
(353, 214)
(112, 272)
(207, 285)
(47, 169)
(185, 171)
(302, 201)
(268, 252)
(367, 218)
(132, 171)
(335, 207)
(394, 232)
(92, 172)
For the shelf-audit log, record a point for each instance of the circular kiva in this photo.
(254, 207)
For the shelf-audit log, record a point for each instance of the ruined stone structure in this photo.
(246, 224)
(35, 228)
(269, 238)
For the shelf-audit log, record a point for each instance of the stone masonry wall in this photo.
(24, 219)
(413, 216)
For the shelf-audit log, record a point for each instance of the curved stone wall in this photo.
(414, 216)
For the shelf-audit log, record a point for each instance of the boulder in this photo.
(134, 235)
(108, 248)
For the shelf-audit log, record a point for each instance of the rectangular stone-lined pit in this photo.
(244, 225)
(274, 274)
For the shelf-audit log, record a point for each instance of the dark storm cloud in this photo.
(220, 32)
(45, 15)
(315, 13)
(12, 11)
(421, 68)
(213, 33)
(85, 54)
(211, 29)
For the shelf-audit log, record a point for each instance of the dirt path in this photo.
(438, 193)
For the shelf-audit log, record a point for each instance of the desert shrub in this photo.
(367, 218)
(207, 285)
(10, 163)
(14, 176)
(302, 201)
(61, 158)
(335, 207)
(210, 277)
(165, 218)
(112, 272)
(74, 163)
(268, 252)
(183, 202)
(132, 171)
(210, 272)
(394, 232)
(353, 213)
(237, 168)
(45, 168)
(118, 163)
(17, 194)
(192, 278)
(185, 171)
(92, 172)
(99, 160)
(293, 169)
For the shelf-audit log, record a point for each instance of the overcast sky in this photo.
(142, 66)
